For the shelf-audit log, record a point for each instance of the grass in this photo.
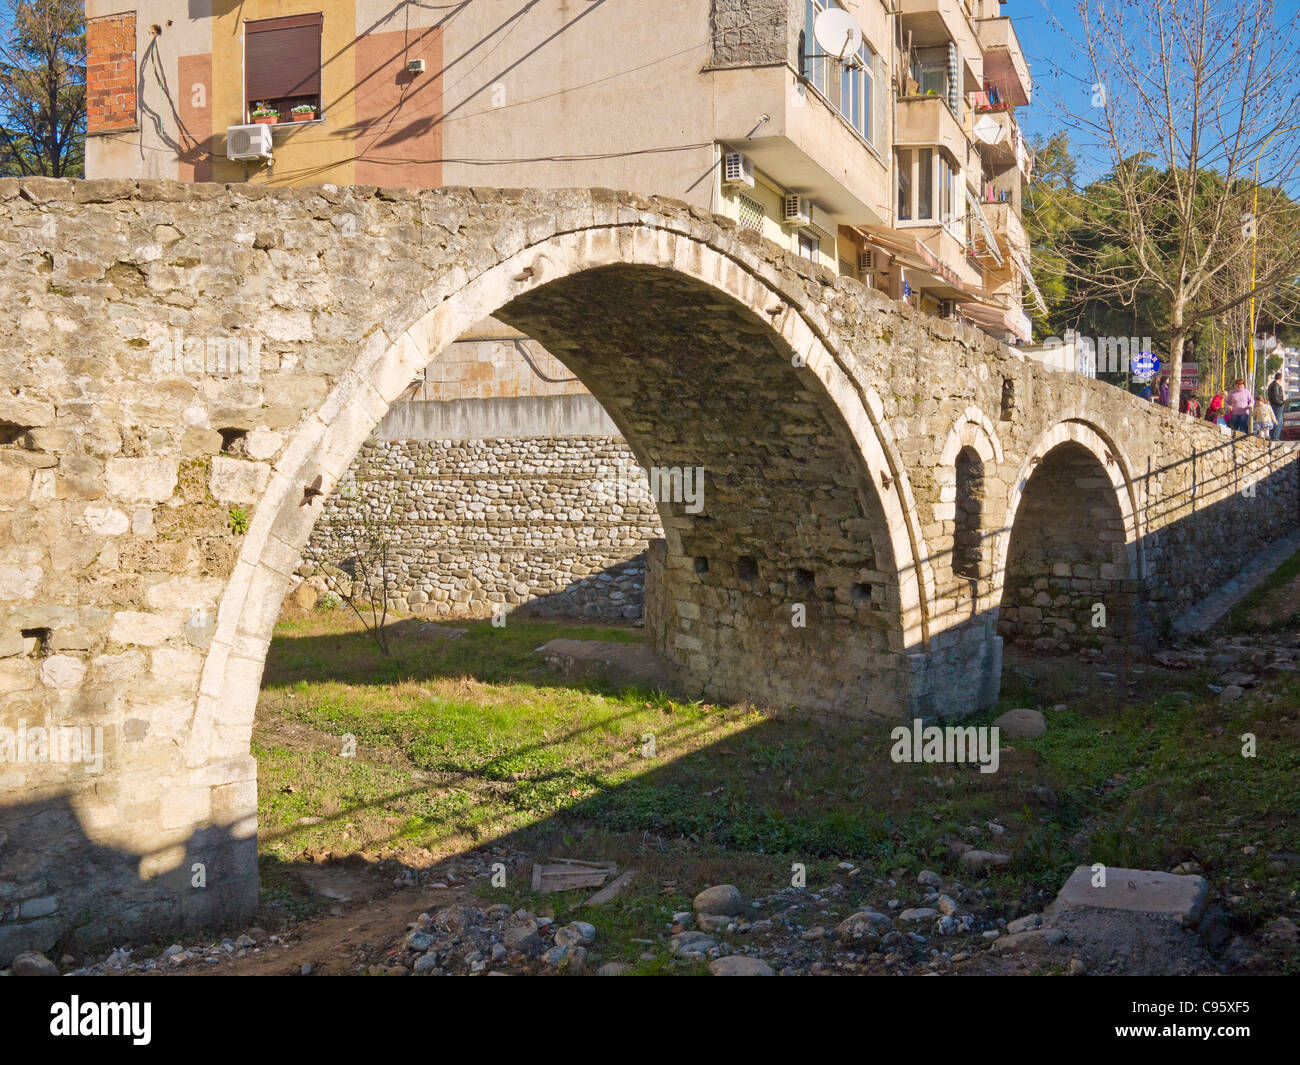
(1244, 617)
(460, 742)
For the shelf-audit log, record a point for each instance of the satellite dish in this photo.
(989, 130)
(837, 33)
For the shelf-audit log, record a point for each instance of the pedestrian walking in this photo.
(1265, 421)
(1276, 400)
(1164, 391)
(1239, 404)
(1214, 413)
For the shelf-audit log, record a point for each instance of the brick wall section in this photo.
(111, 74)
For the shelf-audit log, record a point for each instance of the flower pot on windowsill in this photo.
(304, 116)
(266, 120)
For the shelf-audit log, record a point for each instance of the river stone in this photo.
(723, 900)
(739, 965)
(1021, 724)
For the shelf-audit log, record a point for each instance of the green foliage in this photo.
(1094, 283)
(237, 521)
(42, 88)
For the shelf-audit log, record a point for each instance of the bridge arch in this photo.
(572, 290)
(970, 467)
(1069, 556)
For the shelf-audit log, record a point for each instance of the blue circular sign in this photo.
(1145, 365)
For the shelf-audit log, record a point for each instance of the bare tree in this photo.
(1191, 101)
(42, 87)
(362, 577)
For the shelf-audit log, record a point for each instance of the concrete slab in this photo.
(1137, 891)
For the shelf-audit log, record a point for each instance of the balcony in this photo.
(932, 23)
(998, 136)
(1007, 228)
(926, 121)
(1004, 60)
(803, 144)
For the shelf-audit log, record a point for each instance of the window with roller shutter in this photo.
(282, 63)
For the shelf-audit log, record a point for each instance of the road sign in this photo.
(1191, 375)
(1145, 365)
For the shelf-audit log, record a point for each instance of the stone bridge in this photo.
(181, 364)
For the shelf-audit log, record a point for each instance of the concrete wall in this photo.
(827, 420)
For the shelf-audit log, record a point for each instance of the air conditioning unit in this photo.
(801, 213)
(415, 66)
(737, 171)
(798, 211)
(248, 142)
(867, 262)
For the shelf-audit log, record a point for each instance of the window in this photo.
(282, 63)
(945, 192)
(925, 184)
(848, 87)
(905, 185)
(938, 189)
(809, 246)
(929, 70)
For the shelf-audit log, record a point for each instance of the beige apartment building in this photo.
(900, 163)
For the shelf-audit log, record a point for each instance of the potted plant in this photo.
(304, 113)
(265, 116)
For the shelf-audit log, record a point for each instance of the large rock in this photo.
(576, 934)
(692, 943)
(722, 900)
(977, 861)
(1021, 724)
(29, 963)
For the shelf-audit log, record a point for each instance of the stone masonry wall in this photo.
(147, 328)
(754, 32)
(555, 527)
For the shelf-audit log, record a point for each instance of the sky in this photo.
(1051, 36)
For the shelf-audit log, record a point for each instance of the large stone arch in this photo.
(1076, 486)
(325, 445)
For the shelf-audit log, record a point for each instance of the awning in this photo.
(1030, 283)
(915, 254)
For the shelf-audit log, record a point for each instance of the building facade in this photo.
(901, 164)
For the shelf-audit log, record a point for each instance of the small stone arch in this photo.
(969, 467)
(1084, 551)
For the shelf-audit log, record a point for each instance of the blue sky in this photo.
(1050, 34)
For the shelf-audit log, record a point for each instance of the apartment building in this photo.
(895, 158)
(1290, 370)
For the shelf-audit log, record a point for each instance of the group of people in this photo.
(1233, 408)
